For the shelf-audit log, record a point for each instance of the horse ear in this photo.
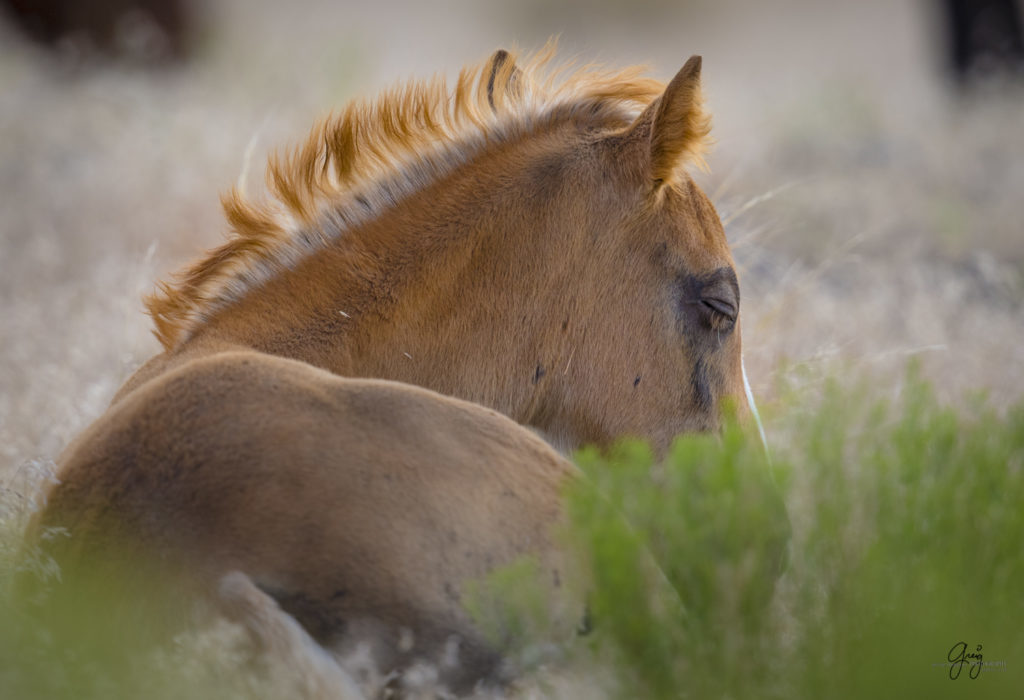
(677, 124)
(502, 78)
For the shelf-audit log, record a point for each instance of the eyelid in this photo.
(721, 306)
(711, 300)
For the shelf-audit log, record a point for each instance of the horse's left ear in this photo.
(677, 125)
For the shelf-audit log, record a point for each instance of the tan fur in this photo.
(508, 275)
(362, 505)
(681, 125)
(421, 125)
(553, 272)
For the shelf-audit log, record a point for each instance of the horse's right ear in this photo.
(676, 126)
(502, 78)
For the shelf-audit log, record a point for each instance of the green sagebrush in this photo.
(902, 536)
(907, 551)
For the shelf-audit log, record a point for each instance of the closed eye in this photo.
(722, 307)
(718, 298)
(710, 301)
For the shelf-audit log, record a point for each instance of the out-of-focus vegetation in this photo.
(884, 540)
(907, 551)
(70, 655)
(872, 214)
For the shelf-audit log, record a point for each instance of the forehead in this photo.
(690, 224)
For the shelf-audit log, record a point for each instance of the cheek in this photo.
(703, 378)
(735, 385)
(713, 372)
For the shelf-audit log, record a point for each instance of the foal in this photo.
(533, 247)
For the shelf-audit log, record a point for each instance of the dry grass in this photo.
(874, 216)
(899, 238)
(871, 220)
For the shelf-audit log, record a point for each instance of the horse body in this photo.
(556, 265)
(361, 506)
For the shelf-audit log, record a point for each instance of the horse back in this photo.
(356, 504)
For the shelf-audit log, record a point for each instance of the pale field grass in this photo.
(874, 216)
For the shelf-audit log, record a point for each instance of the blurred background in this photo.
(869, 168)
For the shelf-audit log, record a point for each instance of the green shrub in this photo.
(907, 538)
(881, 536)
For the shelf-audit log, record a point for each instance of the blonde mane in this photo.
(357, 164)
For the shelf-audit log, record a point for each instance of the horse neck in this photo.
(415, 296)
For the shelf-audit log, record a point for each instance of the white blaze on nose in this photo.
(753, 405)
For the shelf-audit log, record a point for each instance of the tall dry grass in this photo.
(874, 215)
